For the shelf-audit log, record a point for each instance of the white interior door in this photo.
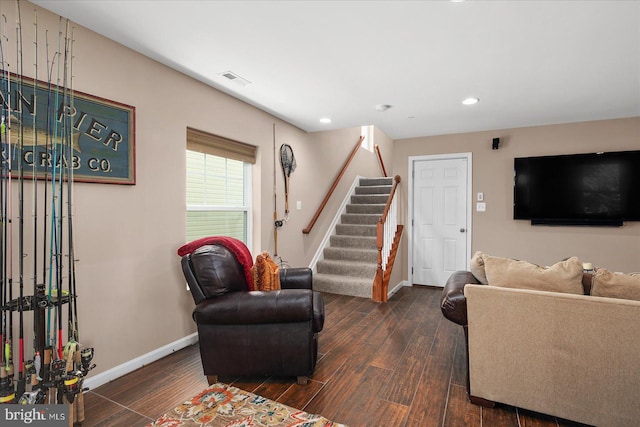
(440, 223)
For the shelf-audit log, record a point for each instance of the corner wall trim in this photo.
(139, 362)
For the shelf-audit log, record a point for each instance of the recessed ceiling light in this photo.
(470, 101)
(325, 120)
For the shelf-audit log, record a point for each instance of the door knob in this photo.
(462, 230)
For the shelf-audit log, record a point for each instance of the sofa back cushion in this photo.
(615, 285)
(564, 276)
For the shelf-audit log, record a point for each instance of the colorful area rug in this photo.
(222, 405)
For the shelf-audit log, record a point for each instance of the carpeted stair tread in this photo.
(365, 270)
(364, 218)
(369, 199)
(356, 230)
(375, 181)
(362, 208)
(351, 254)
(361, 242)
(342, 285)
(374, 189)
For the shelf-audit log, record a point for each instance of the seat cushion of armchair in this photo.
(256, 307)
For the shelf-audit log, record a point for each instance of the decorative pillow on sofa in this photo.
(265, 273)
(564, 276)
(615, 285)
(476, 267)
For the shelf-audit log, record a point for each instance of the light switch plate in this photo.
(480, 197)
(481, 207)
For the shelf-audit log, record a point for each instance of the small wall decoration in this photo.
(100, 132)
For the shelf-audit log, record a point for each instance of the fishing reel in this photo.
(57, 369)
(7, 396)
(6, 383)
(86, 356)
(71, 386)
(33, 397)
(280, 222)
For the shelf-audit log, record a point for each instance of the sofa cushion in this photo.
(615, 285)
(564, 276)
(476, 267)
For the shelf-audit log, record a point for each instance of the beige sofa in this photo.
(570, 355)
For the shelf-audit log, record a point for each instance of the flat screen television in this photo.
(578, 189)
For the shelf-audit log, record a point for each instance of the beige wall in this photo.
(494, 231)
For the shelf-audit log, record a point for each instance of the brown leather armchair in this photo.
(252, 333)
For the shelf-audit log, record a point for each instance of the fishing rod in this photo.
(53, 241)
(63, 160)
(47, 350)
(8, 350)
(6, 388)
(49, 146)
(38, 347)
(276, 222)
(73, 307)
(20, 303)
(53, 353)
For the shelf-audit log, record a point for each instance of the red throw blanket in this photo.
(237, 247)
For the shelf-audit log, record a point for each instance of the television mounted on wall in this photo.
(578, 189)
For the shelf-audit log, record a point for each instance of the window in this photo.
(217, 191)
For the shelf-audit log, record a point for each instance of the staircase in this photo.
(350, 259)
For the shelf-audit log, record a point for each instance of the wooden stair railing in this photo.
(388, 234)
(333, 187)
(379, 155)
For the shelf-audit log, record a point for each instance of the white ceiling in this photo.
(529, 62)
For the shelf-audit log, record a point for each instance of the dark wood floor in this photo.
(395, 364)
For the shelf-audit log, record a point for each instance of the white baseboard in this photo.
(397, 288)
(139, 362)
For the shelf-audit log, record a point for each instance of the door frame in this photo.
(411, 168)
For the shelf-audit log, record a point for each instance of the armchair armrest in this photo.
(255, 307)
(296, 278)
(453, 303)
(318, 312)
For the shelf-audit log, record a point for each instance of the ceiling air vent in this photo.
(230, 75)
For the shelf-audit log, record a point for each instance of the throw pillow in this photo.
(615, 285)
(476, 267)
(265, 273)
(564, 276)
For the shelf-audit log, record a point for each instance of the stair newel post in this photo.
(377, 292)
